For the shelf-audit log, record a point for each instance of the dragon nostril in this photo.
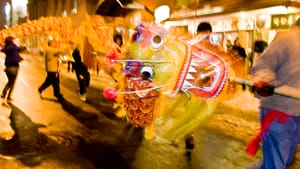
(156, 41)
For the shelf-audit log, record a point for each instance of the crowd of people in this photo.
(52, 67)
(52, 58)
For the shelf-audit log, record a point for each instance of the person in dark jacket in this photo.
(82, 74)
(12, 59)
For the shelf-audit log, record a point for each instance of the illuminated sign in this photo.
(283, 21)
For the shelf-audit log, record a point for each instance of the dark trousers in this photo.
(11, 73)
(52, 79)
(82, 84)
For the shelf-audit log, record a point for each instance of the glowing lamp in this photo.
(161, 13)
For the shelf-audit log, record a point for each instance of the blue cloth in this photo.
(279, 142)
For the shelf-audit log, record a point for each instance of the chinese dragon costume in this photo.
(157, 74)
(195, 66)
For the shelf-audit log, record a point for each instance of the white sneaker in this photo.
(82, 97)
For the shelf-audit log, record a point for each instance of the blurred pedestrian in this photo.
(279, 115)
(82, 74)
(228, 45)
(52, 69)
(204, 27)
(259, 47)
(238, 49)
(189, 141)
(12, 59)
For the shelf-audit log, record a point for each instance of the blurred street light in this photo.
(161, 13)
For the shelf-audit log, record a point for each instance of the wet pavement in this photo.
(46, 134)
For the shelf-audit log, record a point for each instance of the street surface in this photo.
(45, 134)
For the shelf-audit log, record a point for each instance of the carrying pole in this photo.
(285, 90)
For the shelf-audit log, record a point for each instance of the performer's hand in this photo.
(263, 88)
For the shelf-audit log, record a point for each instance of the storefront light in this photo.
(64, 13)
(242, 15)
(20, 6)
(7, 9)
(201, 11)
(280, 9)
(161, 13)
(262, 17)
(134, 5)
(74, 11)
(261, 20)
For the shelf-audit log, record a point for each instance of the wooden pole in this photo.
(282, 90)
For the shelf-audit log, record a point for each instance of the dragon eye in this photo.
(157, 41)
(147, 72)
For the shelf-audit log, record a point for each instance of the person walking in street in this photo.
(82, 74)
(238, 50)
(279, 115)
(52, 69)
(12, 59)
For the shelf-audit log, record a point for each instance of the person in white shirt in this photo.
(52, 69)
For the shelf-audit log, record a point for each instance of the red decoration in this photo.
(109, 59)
(110, 93)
